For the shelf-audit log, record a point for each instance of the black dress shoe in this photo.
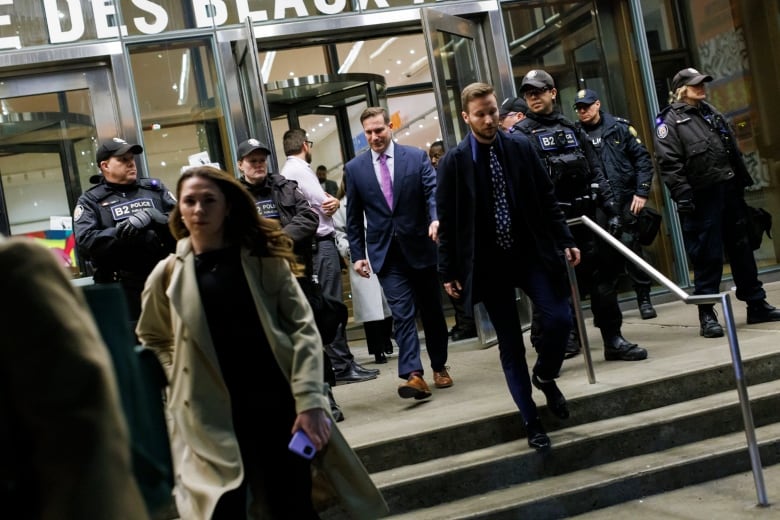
(354, 376)
(389, 348)
(537, 437)
(762, 312)
(556, 403)
(380, 358)
(335, 409)
(618, 348)
(462, 334)
(360, 369)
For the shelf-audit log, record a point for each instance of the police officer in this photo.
(511, 112)
(629, 168)
(121, 223)
(281, 199)
(278, 198)
(700, 163)
(581, 187)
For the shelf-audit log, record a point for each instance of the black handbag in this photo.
(328, 312)
(759, 222)
(649, 223)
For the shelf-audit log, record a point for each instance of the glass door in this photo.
(252, 87)
(328, 107)
(458, 55)
(48, 139)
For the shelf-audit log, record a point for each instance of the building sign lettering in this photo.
(69, 21)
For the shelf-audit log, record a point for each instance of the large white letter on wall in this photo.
(209, 12)
(159, 17)
(56, 33)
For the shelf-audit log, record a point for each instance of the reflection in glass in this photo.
(179, 103)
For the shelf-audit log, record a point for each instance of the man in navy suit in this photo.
(495, 182)
(394, 187)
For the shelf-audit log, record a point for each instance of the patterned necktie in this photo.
(387, 180)
(503, 220)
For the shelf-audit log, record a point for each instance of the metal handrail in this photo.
(691, 299)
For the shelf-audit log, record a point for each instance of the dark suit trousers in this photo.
(498, 297)
(407, 290)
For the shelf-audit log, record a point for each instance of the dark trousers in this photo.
(327, 268)
(463, 321)
(407, 290)
(378, 335)
(276, 480)
(552, 305)
(718, 225)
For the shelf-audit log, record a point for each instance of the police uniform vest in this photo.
(146, 193)
(558, 144)
(115, 203)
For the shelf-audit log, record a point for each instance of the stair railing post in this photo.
(579, 318)
(744, 400)
(731, 331)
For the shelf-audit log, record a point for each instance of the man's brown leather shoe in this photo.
(442, 379)
(415, 387)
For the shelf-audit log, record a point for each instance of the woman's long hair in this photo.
(244, 225)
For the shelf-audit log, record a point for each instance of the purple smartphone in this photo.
(301, 445)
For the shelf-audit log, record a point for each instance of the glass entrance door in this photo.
(458, 56)
(328, 108)
(48, 140)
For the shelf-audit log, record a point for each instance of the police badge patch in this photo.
(662, 131)
(78, 212)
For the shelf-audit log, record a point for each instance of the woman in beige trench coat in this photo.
(238, 342)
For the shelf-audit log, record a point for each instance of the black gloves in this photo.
(131, 227)
(615, 225)
(157, 216)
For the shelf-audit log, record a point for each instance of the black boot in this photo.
(618, 348)
(646, 310)
(572, 344)
(710, 328)
(760, 312)
(335, 409)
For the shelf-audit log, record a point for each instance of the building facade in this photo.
(191, 79)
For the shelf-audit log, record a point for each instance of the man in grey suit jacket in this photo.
(394, 186)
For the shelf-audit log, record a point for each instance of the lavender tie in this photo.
(387, 180)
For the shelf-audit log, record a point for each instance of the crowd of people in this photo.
(235, 282)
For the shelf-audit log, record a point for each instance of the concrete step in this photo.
(608, 402)
(615, 482)
(622, 443)
(641, 428)
(476, 473)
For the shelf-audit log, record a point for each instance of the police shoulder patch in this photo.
(662, 131)
(78, 212)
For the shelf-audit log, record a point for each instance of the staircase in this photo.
(672, 425)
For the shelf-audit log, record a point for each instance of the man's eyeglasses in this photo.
(310, 143)
(535, 92)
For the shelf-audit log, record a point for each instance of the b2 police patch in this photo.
(662, 131)
(78, 212)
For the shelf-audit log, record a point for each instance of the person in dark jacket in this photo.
(629, 169)
(281, 199)
(494, 181)
(64, 442)
(121, 223)
(578, 177)
(701, 164)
